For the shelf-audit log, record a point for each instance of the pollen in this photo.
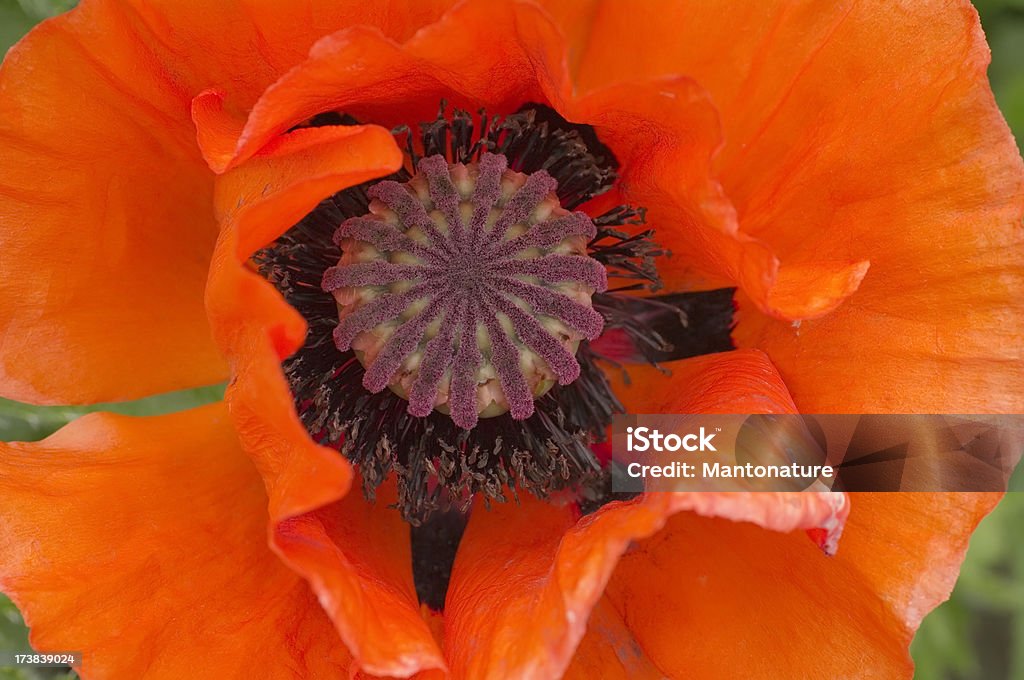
(467, 289)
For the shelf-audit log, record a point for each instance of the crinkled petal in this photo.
(539, 563)
(861, 132)
(240, 47)
(899, 551)
(742, 381)
(296, 171)
(710, 597)
(542, 563)
(932, 192)
(355, 555)
(107, 228)
(361, 72)
(142, 543)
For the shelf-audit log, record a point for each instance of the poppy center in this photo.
(466, 289)
(462, 316)
(461, 319)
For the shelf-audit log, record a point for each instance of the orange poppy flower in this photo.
(845, 168)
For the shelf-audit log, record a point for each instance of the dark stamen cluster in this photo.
(436, 460)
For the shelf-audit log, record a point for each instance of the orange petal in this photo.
(536, 562)
(898, 558)
(663, 131)
(142, 543)
(908, 547)
(718, 598)
(240, 47)
(217, 129)
(505, 575)
(459, 58)
(812, 289)
(355, 555)
(855, 133)
(742, 381)
(296, 171)
(542, 563)
(107, 229)
(932, 192)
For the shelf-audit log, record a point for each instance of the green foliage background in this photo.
(977, 635)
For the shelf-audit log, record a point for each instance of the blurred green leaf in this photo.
(13, 24)
(43, 9)
(1004, 29)
(994, 7)
(17, 16)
